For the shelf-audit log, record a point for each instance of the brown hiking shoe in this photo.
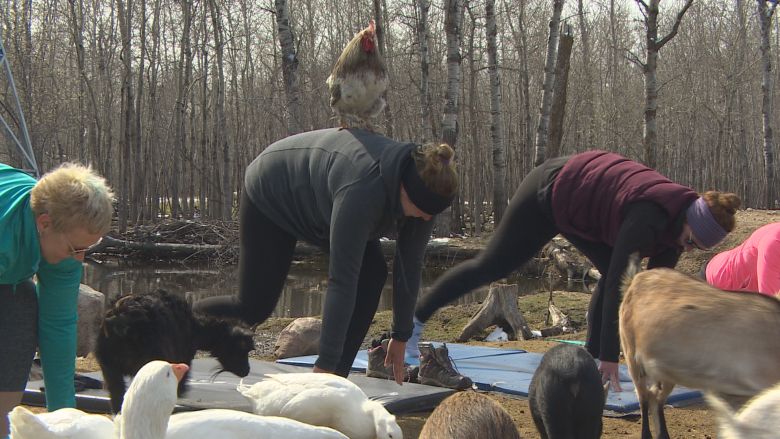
(436, 368)
(376, 365)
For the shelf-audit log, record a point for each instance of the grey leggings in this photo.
(18, 334)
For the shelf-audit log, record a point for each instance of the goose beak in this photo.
(179, 370)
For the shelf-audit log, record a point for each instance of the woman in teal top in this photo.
(46, 228)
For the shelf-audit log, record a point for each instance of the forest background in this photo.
(172, 99)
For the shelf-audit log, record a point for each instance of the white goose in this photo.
(146, 414)
(149, 402)
(322, 399)
(62, 423)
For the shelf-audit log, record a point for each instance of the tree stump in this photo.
(499, 308)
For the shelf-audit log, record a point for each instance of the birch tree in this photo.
(547, 86)
(765, 13)
(558, 107)
(499, 165)
(449, 127)
(650, 11)
(452, 24)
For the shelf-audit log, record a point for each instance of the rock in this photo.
(91, 307)
(299, 338)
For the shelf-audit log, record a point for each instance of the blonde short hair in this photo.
(74, 196)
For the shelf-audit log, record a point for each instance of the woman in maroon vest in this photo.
(608, 207)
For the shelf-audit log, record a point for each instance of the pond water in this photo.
(303, 295)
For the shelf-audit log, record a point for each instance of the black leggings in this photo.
(265, 255)
(525, 228)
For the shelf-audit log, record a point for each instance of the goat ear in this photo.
(115, 325)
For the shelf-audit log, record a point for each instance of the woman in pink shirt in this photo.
(752, 266)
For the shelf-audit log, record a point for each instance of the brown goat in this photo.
(677, 329)
(469, 415)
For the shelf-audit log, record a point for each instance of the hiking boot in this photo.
(376, 365)
(436, 368)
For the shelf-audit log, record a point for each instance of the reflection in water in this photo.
(303, 294)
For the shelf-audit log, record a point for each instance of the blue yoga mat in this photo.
(510, 371)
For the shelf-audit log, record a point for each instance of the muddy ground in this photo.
(694, 421)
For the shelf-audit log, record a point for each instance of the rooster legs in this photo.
(369, 126)
(343, 122)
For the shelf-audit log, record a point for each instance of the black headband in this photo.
(425, 199)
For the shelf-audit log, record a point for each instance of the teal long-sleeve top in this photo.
(57, 286)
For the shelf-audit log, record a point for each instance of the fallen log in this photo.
(446, 252)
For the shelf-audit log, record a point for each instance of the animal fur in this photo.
(759, 419)
(140, 328)
(469, 415)
(677, 329)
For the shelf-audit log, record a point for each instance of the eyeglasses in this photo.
(82, 250)
(690, 242)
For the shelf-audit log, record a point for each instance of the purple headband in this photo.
(704, 225)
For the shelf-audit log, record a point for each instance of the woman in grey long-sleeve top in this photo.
(340, 190)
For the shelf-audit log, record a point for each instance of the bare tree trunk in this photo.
(765, 14)
(136, 204)
(126, 126)
(289, 67)
(588, 111)
(452, 23)
(499, 165)
(475, 196)
(742, 136)
(380, 36)
(558, 109)
(453, 19)
(422, 33)
(153, 154)
(95, 136)
(613, 67)
(654, 45)
(180, 133)
(221, 135)
(547, 86)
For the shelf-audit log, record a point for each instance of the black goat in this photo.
(161, 326)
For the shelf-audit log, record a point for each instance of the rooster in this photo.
(358, 79)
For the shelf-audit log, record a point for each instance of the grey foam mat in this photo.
(207, 391)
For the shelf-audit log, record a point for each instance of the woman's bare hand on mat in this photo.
(396, 350)
(609, 371)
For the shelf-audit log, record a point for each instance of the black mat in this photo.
(207, 392)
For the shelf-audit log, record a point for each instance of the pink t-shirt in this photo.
(752, 266)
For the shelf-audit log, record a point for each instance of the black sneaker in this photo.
(436, 368)
(376, 365)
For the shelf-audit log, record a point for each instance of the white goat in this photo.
(759, 419)
(677, 329)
